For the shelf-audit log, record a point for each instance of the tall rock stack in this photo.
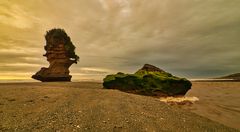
(60, 54)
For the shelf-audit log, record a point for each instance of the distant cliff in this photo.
(235, 76)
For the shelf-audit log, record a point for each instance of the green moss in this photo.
(56, 36)
(148, 83)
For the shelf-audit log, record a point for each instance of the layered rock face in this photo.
(60, 55)
(149, 80)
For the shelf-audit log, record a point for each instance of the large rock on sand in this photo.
(60, 54)
(149, 80)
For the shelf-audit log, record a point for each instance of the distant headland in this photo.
(235, 76)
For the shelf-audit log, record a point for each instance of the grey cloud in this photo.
(190, 38)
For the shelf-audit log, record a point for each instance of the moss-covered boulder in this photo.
(149, 80)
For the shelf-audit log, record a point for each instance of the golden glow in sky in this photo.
(189, 38)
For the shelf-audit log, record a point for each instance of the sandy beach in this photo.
(85, 106)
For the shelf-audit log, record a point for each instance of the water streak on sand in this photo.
(179, 100)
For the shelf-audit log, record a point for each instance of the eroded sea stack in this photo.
(149, 80)
(60, 53)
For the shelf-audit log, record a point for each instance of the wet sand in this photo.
(218, 101)
(86, 106)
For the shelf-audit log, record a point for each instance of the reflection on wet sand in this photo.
(218, 101)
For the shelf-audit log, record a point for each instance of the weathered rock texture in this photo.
(149, 80)
(60, 55)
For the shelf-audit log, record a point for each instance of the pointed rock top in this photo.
(148, 67)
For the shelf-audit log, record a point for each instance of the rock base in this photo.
(45, 75)
(52, 79)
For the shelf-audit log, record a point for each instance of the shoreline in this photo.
(214, 80)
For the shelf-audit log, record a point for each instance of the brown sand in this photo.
(87, 107)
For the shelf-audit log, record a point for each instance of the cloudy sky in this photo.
(188, 38)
